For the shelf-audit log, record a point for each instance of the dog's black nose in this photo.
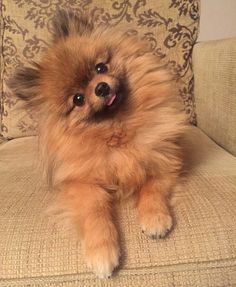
(102, 89)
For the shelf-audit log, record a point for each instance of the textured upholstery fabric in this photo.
(200, 251)
(1, 72)
(170, 26)
(215, 90)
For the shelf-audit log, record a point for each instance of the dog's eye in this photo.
(78, 99)
(101, 68)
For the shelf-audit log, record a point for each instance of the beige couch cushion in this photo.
(170, 26)
(199, 252)
(214, 65)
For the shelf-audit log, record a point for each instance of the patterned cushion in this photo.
(170, 25)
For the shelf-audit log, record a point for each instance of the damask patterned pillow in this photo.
(171, 26)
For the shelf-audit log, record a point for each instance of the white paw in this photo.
(156, 224)
(103, 259)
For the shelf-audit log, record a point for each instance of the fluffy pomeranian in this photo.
(110, 127)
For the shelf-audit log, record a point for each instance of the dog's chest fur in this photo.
(117, 160)
(119, 138)
(126, 161)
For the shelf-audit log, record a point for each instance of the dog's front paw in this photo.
(103, 258)
(156, 224)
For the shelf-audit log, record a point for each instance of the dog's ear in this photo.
(67, 23)
(25, 84)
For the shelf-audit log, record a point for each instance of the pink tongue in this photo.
(110, 100)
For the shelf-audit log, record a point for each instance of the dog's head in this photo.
(88, 74)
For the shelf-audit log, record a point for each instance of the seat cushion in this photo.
(200, 251)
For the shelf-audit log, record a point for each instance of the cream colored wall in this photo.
(218, 19)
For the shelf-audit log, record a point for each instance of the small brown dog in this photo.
(110, 126)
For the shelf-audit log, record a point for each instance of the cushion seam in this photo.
(87, 276)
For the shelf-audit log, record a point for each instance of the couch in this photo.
(201, 249)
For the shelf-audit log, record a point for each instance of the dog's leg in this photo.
(91, 207)
(153, 210)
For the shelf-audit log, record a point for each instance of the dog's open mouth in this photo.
(111, 103)
(110, 100)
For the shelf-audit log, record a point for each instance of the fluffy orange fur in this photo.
(94, 155)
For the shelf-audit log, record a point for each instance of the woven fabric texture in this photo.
(215, 90)
(1, 71)
(200, 251)
(170, 26)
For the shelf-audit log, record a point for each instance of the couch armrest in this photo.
(214, 65)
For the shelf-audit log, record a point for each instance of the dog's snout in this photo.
(102, 89)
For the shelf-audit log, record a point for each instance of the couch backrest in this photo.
(214, 65)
